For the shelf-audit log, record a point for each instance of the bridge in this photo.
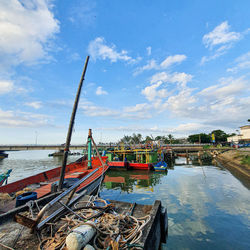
(175, 147)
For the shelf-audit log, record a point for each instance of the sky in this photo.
(156, 68)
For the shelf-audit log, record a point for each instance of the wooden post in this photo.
(71, 125)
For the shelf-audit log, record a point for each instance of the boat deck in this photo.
(153, 234)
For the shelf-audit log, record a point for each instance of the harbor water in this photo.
(208, 207)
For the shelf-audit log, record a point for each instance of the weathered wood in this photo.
(5, 217)
(152, 234)
(71, 124)
(151, 238)
(25, 221)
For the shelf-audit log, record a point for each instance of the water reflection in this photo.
(207, 206)
(127, 181)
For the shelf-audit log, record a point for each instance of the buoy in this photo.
(80, 236)
(88, 247)
(25, 197)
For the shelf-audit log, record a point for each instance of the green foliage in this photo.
(203, 138)
(246, 160)
(148, 139)
(220, 136)
(134, 139)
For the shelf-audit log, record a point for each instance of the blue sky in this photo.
(156, 67)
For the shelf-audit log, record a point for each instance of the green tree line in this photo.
(138, 138)
(220, 136)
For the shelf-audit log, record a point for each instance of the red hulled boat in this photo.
(76, 170)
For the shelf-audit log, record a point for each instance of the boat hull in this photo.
(118, 164)
(53, 175)
(128, 165)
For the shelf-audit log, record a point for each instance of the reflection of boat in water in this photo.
(128, 180)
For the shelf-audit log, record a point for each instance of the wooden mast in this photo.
(71, 125)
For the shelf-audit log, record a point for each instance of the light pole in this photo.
(36, 137)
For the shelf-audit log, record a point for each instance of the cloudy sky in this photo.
(156, 67)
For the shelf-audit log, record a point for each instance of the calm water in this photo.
(208, 207)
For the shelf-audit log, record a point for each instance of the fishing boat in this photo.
(87, 171)
(69, 218)
(160, 166)
(61, 152)
(74, 171)
(136, 159)
(120, 225)
(4, 177)
(3, 155)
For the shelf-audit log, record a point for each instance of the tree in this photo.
(170, 138)
(158, 137)
(148, 139)
(126, 139)
(136, 138)
(203, 138)
(220, 135)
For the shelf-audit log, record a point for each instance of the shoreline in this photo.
(241, 171)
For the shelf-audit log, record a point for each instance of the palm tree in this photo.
(136, 138)
(170, 138)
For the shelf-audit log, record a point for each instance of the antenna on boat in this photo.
(71, 124)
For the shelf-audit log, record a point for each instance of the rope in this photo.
(113, 230)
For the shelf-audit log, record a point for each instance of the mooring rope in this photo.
(113, 230)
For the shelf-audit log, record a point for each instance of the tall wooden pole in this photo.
(71, 125)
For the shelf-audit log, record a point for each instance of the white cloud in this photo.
(158, 88)
(6, 86)
(98, 49)
(166, 63)
(138, 112)
(181, 104)
(26, 29)
(222, 104)
(150, 65)
(35, 105)
(136, 108)
(87, 14)
(151, 92)
(242, 62)
(149, 50)
(10, 118)
(100, 91)
(175, 77)
(89, 109)
(220, 35)
(182, 129)
(227, 87)
(220, 40)
(172, 60)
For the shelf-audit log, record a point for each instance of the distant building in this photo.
(244, 135)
